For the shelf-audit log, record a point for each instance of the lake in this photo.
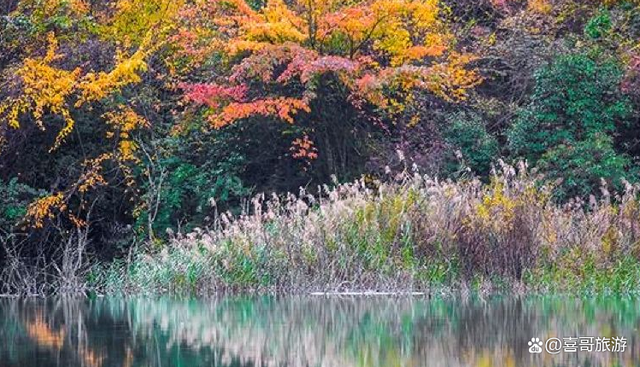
(319, 331)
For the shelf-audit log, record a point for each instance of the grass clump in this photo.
(415, 233)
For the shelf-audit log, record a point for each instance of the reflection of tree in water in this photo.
(302, 331)
(56, 333)
(67, 333)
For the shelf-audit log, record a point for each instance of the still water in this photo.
(312, 331)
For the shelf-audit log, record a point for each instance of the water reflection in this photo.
(305, 331)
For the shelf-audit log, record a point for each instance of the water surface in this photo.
(310, 331)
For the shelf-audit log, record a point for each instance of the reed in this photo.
(414, 233)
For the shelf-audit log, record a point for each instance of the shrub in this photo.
(468, 135)
(14, 199)
(568, 127)
(581, 166)
(599, 25)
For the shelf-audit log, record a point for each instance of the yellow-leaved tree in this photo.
(46, 87)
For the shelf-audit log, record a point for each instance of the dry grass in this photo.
(65, 273)
(414, 233)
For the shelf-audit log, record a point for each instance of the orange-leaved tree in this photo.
(273, 57)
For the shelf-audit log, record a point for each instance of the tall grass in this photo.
(415, 233)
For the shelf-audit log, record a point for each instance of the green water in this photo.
(311, 331)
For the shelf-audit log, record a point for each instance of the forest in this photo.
(197, 146)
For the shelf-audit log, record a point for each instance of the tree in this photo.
(277, 55)
(569, 126)
(61, 87)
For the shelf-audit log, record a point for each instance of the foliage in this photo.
(14, 199)
(44, 88)
(286, 49)
(469, 137)
(582, 166)
(193, 194)
(569, 125)
(598, 25)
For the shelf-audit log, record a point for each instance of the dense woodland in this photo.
(125, 124)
